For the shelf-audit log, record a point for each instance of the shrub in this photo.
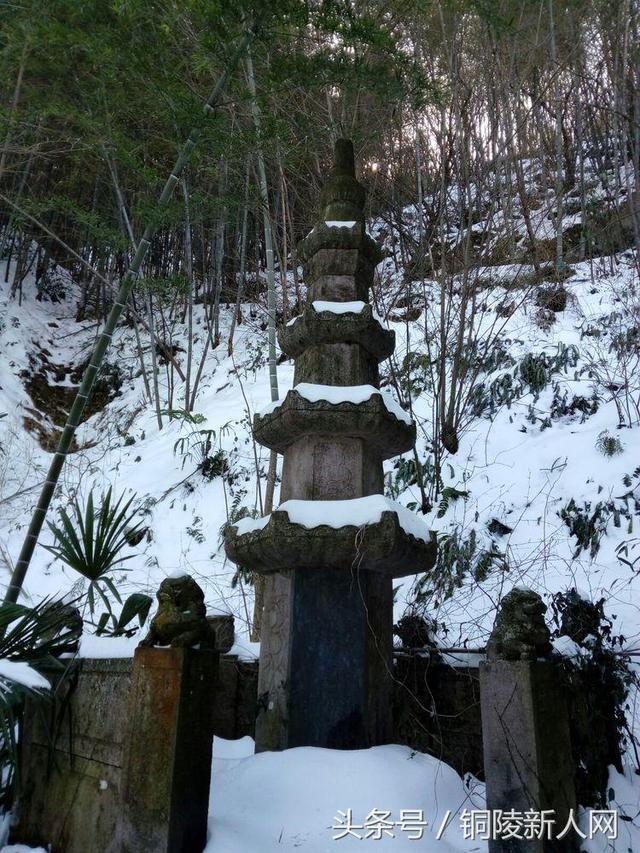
(598, 683)
(92, 540)
(609, 445)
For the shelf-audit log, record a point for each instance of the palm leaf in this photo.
(92, 544)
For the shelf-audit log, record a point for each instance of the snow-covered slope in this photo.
(123, 447)
(520, 462)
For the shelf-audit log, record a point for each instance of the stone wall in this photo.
(437, 710)
(72, 792)
(234, 713)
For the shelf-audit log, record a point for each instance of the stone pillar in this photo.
(525, 726)
(167, 767)
(325, 662)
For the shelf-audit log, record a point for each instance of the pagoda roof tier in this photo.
(329, 323)
(372, 534)
(340, 234)
(359, 411)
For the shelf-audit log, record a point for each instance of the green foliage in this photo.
(531, 375)
(184, 415)
(589, 526)
(408, 473)
(598, 683)
(502, 391)
(34, 635)
(609, 445)
(415, 373)
(561, 406)
(449, 495)
(91, 542)
(137, 605)
(533, 370)
(197, 447)
(537, 370)
(165, 288)
(238, 511)
(195, 531)
(459, 558)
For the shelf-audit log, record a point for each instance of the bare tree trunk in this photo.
(243, 263)
(558, 146)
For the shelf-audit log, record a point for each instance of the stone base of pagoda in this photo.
(325, 658)
(326, 661)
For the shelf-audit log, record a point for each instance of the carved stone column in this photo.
(335, 543)
(525, 727)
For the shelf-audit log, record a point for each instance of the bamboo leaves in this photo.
(104, 339)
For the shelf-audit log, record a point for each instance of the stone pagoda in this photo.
(335, 543)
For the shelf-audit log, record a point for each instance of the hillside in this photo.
(541, 492)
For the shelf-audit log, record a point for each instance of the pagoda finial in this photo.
(343, 158)
(342, 197)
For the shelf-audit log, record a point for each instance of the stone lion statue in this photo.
(181, 618)
(520, 632)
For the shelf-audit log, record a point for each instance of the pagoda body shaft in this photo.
(326, 645)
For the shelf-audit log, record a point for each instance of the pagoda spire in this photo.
(334, 544)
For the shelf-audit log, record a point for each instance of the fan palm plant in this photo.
(31, 639)
(91, 542)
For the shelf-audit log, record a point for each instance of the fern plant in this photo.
(92, 540)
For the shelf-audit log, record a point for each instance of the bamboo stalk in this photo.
(260, 581)
(88, 380)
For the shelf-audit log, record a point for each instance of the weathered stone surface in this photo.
(331, 364)
(224, 631)
(520, 632)
(297, 417)
(167, 765)
(339, 276)
(384, 548)
(325, 327)
(70, 792)
(527, 751)
(181, 618)
(344, 239)
(310, 693)
(342, 197)
(437, 711)
(319, 467)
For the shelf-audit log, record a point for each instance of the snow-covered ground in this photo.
(300, 800)
(322, 801)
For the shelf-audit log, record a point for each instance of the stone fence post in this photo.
(525, 728)
(167, 765)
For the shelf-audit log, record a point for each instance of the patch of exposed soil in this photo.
(52, 401)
